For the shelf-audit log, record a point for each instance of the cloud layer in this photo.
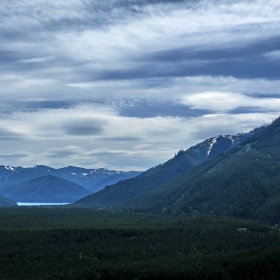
(125, 84)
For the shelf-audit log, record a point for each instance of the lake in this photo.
(39, 203)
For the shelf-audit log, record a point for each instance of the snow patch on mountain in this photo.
(9, 168)
(214, 140)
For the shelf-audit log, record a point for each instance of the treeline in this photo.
(57, 243)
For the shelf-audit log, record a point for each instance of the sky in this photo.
(125, 84)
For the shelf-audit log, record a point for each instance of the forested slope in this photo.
(123, 191)
(244, 183)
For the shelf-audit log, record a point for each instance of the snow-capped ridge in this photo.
(9, 168)
(84, 177)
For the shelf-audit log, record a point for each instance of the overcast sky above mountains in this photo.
(124, 84)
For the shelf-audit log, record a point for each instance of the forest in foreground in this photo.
(75, 243)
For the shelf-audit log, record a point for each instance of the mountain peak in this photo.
(45, 189)
(91, 179)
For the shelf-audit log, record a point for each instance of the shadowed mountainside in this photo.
(7, 202)
(45, 189)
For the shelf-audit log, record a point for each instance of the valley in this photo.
(140, 140)
(211, 212)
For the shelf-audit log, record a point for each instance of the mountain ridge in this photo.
(243, 183)
(88, 178)
(121, 192)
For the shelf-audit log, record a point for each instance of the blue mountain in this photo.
(49, 189)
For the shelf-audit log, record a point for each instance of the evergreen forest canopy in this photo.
(68, 243)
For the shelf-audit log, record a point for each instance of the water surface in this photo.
(39, 203)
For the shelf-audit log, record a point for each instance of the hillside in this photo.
(7, 202)
(123, 191)
(45, 189)
(243, 183)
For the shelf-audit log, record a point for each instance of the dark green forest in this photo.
(82, 243)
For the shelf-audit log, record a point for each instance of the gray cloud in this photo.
(6, 134)
(154, 108)
(64, 152)
(84, 128)
(14, 155)
(36, 59)
(122, 139)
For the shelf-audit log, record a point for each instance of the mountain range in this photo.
(120, 193)
(88, 178)
(46, 184)
(243, 182)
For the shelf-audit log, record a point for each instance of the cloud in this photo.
(84, 52)
(7, 134)
(123, 139)
(125, 84)
(36, 60)
(14, 156)
(227, 101)
(129, 141)
(62, 152)
(84, 128)
(274, 55)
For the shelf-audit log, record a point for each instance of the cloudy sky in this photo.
(124, 84)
